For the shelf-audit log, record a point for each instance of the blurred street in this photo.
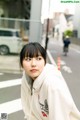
(20, 23)
(10, 80)
(69, 66)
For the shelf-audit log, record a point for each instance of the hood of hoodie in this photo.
(36, 84)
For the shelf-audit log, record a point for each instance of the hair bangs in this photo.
(32, 52)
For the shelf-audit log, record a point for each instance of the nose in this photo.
(33, 62)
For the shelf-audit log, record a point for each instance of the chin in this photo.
(34, 77)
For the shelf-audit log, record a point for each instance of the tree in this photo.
(68, 33)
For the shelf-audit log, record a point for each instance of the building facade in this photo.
(15, 8)
(76, 20)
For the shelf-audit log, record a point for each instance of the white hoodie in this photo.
(50, 98)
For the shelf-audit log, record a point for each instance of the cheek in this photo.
(41, 66)
(25, 65)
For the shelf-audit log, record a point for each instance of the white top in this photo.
(50, 99)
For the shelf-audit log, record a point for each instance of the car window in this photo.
(17, 34)
(5, 33)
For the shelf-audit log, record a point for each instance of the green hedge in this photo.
(68, 33)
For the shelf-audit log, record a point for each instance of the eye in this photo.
(39, 58)
(28, 59)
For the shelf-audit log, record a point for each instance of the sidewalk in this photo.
(75, 46)
(10, 64)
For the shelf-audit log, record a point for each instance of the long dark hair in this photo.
(32, 49)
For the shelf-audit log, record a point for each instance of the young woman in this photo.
(44, 92)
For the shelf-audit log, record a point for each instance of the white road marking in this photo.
(64, 67)
(51, 59)
(14, 105)
(63, 62)
(67, 69)
(10, 83)
(11, 106)
(78, 51)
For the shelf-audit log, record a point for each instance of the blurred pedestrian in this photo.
(66, 42)
(44, 92)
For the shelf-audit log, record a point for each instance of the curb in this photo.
(10, 71)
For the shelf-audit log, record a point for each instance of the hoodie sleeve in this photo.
(60, 102)
(24, 97)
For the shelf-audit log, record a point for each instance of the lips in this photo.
(34, 70)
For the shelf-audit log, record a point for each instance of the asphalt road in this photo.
(10, 83)
(69, 66)
(10, 103)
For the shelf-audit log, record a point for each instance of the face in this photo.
(33, 66)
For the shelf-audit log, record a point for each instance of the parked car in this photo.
(10, 41)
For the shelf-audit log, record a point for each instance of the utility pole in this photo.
(47, 38)
(47, 28)
(35, 21)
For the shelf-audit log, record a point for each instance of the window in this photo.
(5, 33)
